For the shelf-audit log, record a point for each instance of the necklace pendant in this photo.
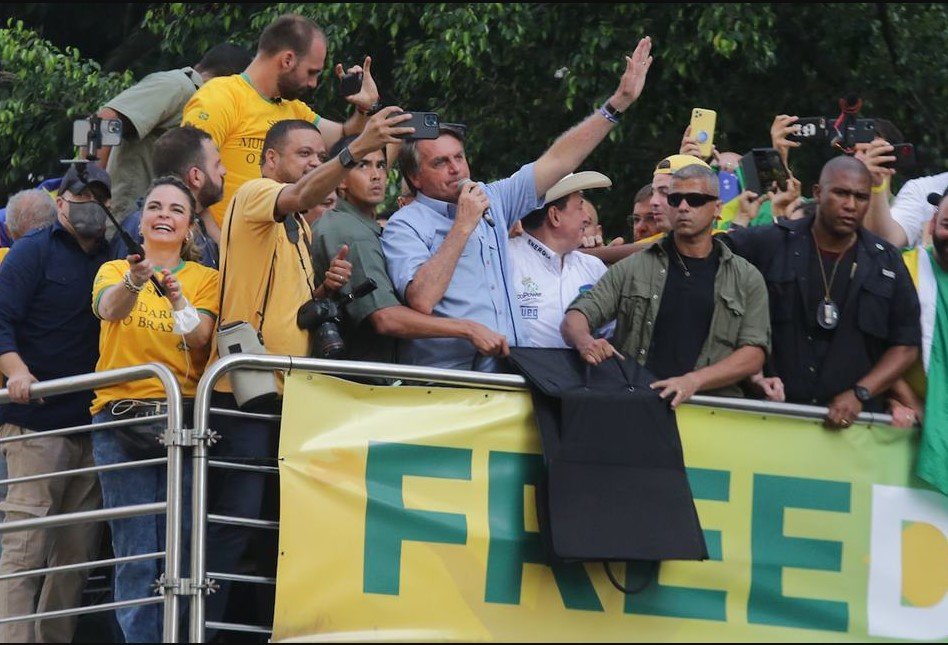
(827, 314)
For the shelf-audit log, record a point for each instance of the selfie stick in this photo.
(94, 139)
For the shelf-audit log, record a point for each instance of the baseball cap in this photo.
(577, 181)
(674, 163)
(935, 199)
(91, 174)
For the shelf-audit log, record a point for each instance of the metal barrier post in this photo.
(171, 582)
(175, 487)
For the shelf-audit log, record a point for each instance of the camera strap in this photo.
(293, 235)
(266, 291)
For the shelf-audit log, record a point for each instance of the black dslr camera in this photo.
(323, 316)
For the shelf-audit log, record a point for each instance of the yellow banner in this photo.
(408, 515)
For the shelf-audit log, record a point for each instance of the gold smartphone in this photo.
(702, 129)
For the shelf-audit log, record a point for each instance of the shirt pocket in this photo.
(874, 307)
(61, 284)
(727, 323)
(633, 312)
(781, 296)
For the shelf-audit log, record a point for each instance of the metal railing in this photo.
(199, 584)
(405, 373)
(175, 438)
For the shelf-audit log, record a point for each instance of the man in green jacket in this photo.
(711, 331)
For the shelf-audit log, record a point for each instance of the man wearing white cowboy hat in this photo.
(548, 273)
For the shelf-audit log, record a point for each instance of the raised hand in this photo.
(633, 79)
(339, 272)
(172, 289)
(368, 96)
(140, 269)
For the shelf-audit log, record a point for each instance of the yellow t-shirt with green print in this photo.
(147, 334)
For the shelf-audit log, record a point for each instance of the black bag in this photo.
(144, 440)
(615, 487)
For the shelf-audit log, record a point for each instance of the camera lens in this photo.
(431, 120)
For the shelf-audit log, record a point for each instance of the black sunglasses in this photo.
(695, 200)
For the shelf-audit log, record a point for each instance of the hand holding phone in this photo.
(702, 130)
(350, 84)
(904, 154)
(809, 128)
(761, 168)
(426, 124)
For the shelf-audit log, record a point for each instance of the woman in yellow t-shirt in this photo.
(139, 325)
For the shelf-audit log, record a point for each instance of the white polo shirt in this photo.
(911, 209)
(545, 284)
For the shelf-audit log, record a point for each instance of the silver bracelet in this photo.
(128, 284)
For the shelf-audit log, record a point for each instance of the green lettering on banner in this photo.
(772, 551)
(687, 602)
(388, 523)
(511, 546)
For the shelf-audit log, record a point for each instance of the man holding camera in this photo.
(374, 323)
(48, 331)
(447, 250)
(266, 277)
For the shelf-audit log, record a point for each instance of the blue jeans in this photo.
(237, 493)
(141, 534)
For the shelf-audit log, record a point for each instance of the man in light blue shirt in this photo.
(446, 252)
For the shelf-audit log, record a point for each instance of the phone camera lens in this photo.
(431, 120)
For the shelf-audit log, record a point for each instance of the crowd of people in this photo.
(240, 204)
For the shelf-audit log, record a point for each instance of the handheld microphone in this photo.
(486, 214)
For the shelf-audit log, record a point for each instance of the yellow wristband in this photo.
(881, 187)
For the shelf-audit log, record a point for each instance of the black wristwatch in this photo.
(346, 158)
(862, 393)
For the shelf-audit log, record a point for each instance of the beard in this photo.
(210, 194)
(940, 247)
(290, 90)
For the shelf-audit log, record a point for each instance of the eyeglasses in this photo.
(695, 200)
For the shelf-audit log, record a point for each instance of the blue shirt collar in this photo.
(445, 209)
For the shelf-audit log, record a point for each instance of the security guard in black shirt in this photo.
(844, 312)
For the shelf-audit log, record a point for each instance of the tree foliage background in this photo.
(518, 74)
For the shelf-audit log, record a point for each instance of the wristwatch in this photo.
(346, 158)
(862, 393)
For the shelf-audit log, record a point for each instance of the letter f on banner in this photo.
(388, 523)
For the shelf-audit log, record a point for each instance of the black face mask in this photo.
(87, 219)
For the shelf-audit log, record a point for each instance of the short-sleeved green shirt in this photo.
(346, 225)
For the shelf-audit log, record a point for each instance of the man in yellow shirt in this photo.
(266, 275)
(237, 111)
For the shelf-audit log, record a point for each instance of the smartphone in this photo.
(865, 131)
(350, 84)
(904, 154)
(761, 167)
(426, 124)
(109, 129)
(702, 129)
(728, 186)
(809, 128)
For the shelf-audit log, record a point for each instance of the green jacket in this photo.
(631, 291)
